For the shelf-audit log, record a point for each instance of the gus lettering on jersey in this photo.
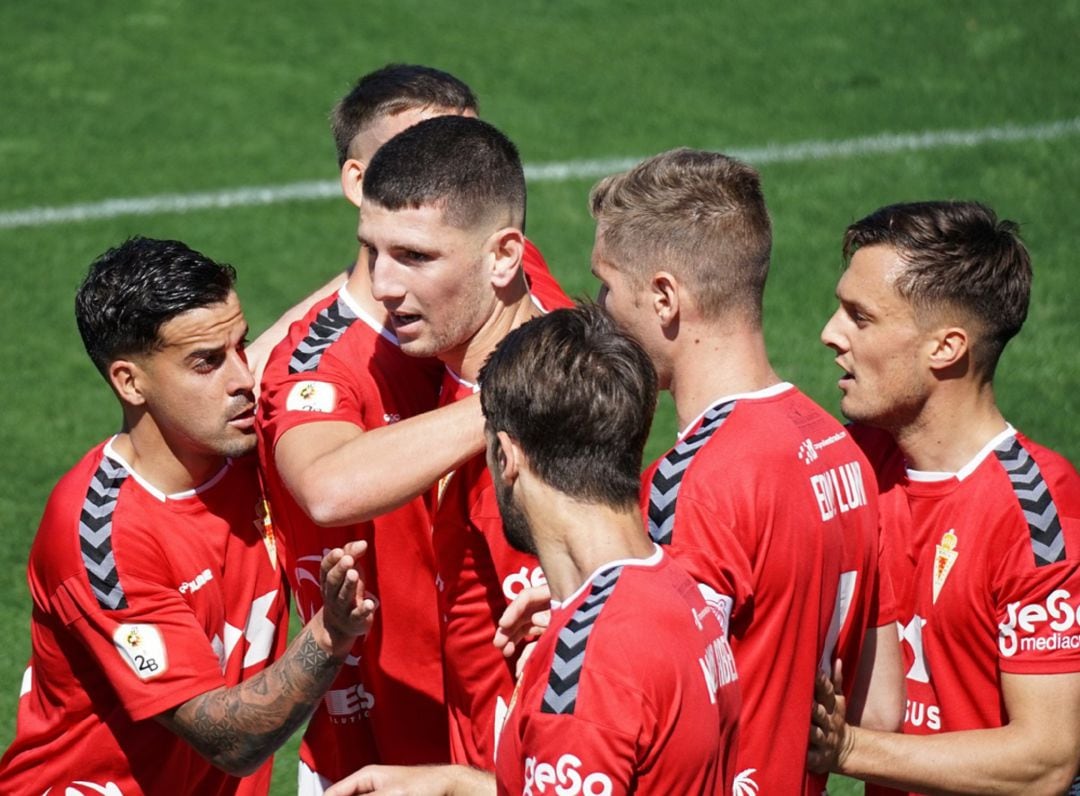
(564, 778)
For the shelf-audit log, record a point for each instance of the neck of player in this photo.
(710, 362)
(956, 422)
(513, 306)
(574, 539)
(167, 467)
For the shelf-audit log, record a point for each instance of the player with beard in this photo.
(632, 688)
(980, 524)
(159, 609)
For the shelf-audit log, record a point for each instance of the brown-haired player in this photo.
(979, 523)
(350, 447)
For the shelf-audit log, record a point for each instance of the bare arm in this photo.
(1037, 752)
(877, 697)
(238, 728)
(258, 351)
(341, 474)
(416, 781)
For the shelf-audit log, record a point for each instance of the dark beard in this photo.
(515, 525)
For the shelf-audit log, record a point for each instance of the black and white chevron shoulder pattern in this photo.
(1047, 540)
(667, 478)
(569, 658)
(327, 327)
(95, 534)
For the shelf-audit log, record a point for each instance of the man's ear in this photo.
(508, 456)
(505, 248)
(128, 380)
(352, 180)
(664, 297)
(949, 347)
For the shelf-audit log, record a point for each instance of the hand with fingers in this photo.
(527, 616)
(347, 612)
(829, 735)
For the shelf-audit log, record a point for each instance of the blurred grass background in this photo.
(151, 97)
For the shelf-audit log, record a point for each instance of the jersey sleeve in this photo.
(1038, 616)
(326, 394)
(153, 651)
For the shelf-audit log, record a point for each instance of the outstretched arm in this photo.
(416, 781)
(341, 474)
(1037, 752)
(238, 728)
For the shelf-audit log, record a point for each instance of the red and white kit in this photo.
(141, 601)
(386, 705)
(632, 689)
(768, 501)
(986, 566)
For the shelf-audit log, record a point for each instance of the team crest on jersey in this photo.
(311, 396)
(143, 649)
(944, 560)
(264, 524)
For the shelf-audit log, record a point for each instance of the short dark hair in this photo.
(391, 90)
(133, 289)
(461, 163)
(959, 257)
(578, 395)
(701, 215)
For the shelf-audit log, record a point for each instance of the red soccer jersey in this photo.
(478, 575)
(632, 689)
(986, 566)
(767, 500)
(140, 603)
(386, 705)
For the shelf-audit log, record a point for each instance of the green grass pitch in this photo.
(137, 99)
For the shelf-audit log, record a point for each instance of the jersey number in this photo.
(845, 592)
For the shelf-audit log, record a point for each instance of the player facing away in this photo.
(442, 217)
(158, 630)
(980, 524)
(765, 498)
(632, 688)
(349, 449)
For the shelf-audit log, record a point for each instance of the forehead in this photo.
(212, 325)
(386, 126)
(407, 226)
(871, 276)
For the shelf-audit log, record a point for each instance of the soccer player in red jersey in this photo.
(765, 498)
(442, 216)
(159, 608)
(632, 689)
(979, 523)
(349, 450)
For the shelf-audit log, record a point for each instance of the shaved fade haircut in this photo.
(392, 90)
(701, 216)
(457, 163)
(578, 396)
(958, 257)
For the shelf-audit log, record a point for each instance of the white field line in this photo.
(884, 143)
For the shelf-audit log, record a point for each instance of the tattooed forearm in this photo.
(238, 728)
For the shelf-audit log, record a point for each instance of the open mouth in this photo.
(401, 320)
(245, 419)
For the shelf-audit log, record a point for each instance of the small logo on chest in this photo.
(944, 560)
